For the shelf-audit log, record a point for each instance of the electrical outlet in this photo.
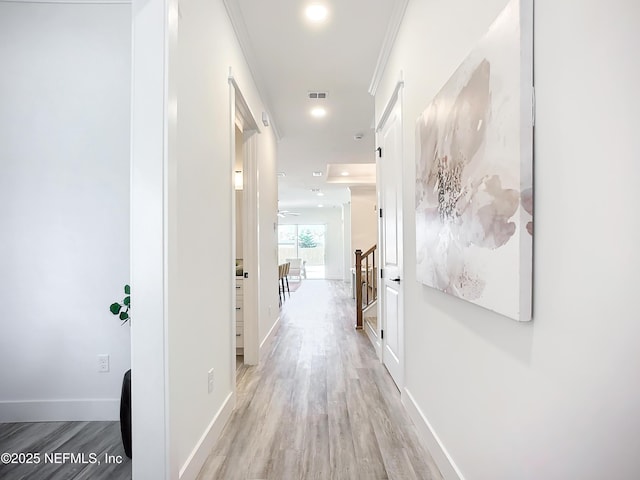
(210, 380)
(103, 363)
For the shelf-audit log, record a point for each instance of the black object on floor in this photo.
(125, 413)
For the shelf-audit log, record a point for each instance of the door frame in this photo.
(395, 101)
(241, 115)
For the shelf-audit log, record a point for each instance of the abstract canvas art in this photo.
(474, 162)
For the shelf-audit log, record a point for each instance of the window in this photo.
(306, 242)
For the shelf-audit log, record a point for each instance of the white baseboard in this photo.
(373, 337)
(199, 455)
(78, 410)
(430, 438)
(267, 339)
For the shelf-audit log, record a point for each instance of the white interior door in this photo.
(251, 252)
(390, 191)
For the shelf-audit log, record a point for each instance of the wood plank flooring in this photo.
(320, 406)
(99, 438)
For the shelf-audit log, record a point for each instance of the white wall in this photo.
(199, 330)
(183, 173)
(334, 246)
(556, 398)
(347, 254)
(268, 310)
(64, 208)
(364, 219)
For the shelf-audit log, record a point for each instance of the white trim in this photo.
(374, 338)
(69, 410)
(232, 232)
(373, 335)
(153, 165)
(199, 454)
(390, 104)
(430, 438)
(241, 113)
(387, 44)
(249, 121)
(267, 339)
(237, 22)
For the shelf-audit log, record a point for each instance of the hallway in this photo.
(320, 405)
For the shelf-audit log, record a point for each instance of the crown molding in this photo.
(387, 43)
(242, 34)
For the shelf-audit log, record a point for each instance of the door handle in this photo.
(397, 279)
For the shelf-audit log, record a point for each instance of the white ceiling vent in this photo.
(317, 95)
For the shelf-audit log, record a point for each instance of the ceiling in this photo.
(289, 57)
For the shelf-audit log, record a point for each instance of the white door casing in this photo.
(389, 137)
(242, 117)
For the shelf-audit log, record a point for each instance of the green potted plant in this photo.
(122, 311)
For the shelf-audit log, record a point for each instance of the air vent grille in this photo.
(317, 95)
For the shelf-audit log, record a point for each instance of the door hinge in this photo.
(381, 333)
(379, 150)
(380, 213)
(382, 273)
(533, 106)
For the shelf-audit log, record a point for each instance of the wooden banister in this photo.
(358, 288)
(365, 262)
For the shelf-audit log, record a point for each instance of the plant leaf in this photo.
(127, 301)
(115, 308)
(127, 289)
(124, 315)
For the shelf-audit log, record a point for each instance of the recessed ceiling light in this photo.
(345, 174)
(320, 206)
(318, 112)
(316, 13)
(317, 174)
(320, 194)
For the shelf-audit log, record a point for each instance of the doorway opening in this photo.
(245, 294)
(240, 221)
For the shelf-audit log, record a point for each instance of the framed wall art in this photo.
(474, 173)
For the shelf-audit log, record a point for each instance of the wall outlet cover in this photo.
(103, 363)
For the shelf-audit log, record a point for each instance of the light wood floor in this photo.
(99, 438)
(320, 406)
